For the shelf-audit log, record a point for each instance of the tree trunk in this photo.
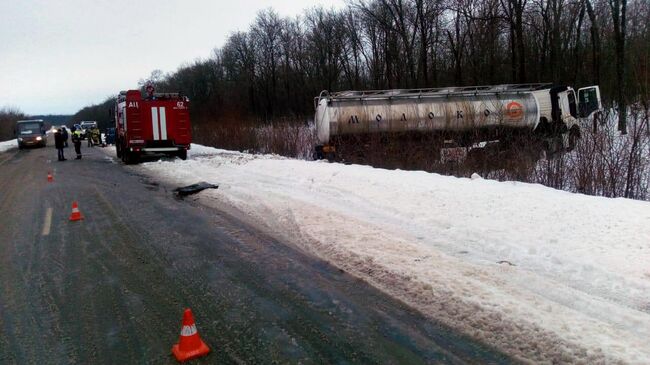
(595, 44)
(519, 29)
(618, 8)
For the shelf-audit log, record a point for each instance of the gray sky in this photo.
(58, 56)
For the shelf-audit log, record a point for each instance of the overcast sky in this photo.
(58, 56)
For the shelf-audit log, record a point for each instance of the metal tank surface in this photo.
(427, 110)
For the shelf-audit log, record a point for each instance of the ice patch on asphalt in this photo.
(541, 274)
(110, 159)
(8, 145)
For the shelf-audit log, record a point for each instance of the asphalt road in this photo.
(111, 289)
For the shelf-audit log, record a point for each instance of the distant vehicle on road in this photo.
(55, 128)
(156, 123)
(85, 127)
(30, 133)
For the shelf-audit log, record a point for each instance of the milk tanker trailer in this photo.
(465, 114)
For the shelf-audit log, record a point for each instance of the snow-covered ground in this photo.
(7, 145)
(542, 274)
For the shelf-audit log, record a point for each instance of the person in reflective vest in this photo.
(95, 136)
(76, 139)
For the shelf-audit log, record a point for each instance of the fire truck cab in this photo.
(154, 123)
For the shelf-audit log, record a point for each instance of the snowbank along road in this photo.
(541, 274)
(111, 289)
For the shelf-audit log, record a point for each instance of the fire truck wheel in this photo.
(182, 154)
(130, 158)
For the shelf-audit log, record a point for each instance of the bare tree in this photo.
(618, 9)
(595, 43)
(514, 12)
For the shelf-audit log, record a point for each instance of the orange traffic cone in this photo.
(50, 178)
(189, 345)
(76, 214)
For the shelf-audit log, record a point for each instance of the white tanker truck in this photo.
(465, 114)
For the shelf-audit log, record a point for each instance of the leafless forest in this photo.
(275, 68)
(7, 118)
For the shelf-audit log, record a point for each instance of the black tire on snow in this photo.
(130, 158)
(125, 155)
(318, 153)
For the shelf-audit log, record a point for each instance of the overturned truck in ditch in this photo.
(464, 115)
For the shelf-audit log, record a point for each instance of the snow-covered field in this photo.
(542, 274)
(7, 145)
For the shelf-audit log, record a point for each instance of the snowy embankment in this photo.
(541, 274)
(7, 145)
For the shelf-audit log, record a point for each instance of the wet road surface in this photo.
(111, 289)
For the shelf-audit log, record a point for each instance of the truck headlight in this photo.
(39, 138)
(20, 139)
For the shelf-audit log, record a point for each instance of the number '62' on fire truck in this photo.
(157, 123)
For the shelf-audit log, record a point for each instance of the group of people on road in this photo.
(61, 141)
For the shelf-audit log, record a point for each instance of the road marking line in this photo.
(48, 222)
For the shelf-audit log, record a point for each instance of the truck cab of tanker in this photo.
(584, 105)
(561, 110)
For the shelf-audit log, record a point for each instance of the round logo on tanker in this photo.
(514, 110)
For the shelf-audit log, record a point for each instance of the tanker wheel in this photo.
(318, 153)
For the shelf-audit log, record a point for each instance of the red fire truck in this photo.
(153, 123)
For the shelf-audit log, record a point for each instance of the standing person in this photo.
(89, 137)
(64, 132)
(95, 135)
(58, 143)
(76, 139)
